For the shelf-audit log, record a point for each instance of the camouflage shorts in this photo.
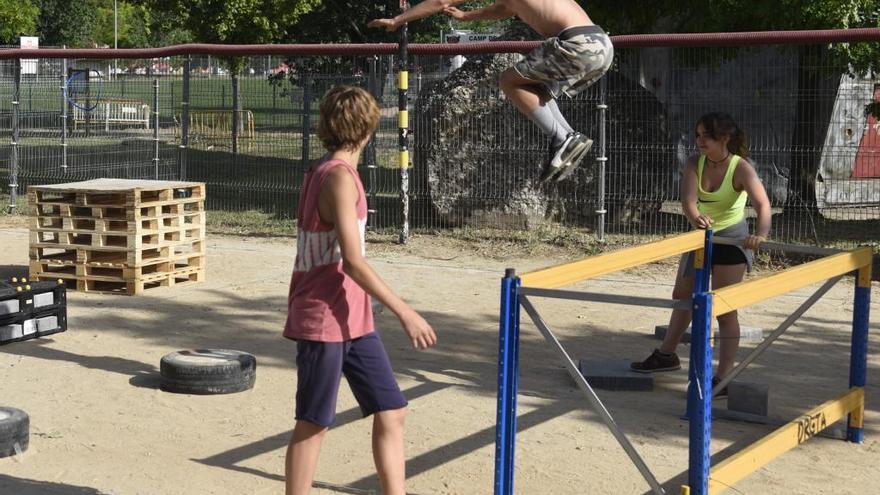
(571, 62)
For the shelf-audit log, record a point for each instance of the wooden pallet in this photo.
(118, 236)
(107, 284)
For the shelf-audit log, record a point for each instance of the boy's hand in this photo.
(455, 13)
(388, 24)
(418, 330)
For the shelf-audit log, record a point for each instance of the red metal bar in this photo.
(623, 41)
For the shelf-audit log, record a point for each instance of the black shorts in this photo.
(724, 254)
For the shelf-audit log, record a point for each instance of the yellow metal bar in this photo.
(403, 119)
(743, 294)
(404, 158)
(594, 266)
(789, 436)
(865, 276)
(403, 80)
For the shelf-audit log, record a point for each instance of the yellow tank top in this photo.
(726, 206)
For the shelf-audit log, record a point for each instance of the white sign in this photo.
(465, 37)
(29, 66)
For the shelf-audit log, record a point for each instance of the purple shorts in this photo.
(363, 361)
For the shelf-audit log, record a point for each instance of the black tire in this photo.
(208, 371)
(14, 429)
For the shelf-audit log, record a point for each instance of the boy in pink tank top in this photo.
(329, 310)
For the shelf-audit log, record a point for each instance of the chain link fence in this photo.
(251, 137)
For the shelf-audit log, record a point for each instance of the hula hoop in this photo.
(72, 101)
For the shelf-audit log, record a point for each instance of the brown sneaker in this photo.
(657, 361)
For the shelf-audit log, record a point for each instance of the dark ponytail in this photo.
(718, 125)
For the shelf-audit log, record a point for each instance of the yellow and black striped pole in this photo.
(403, 125)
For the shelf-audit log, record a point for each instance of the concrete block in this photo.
(614, 375)
(47, 323)
(44, 299)
(8, 307)
(746, 334)
(29, 327)
(749, 398)
(9, 332)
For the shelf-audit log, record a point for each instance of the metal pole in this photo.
(508, 371)
(235, 113)
(792, 318)
(13, 178)
(115, 39)
(184, 118)
(602, 159)
(370, 158)
(306, 120)
(403, 126)
(858, 367)
(64, 115)
(156, 128)
(595, 402)
(700, 396)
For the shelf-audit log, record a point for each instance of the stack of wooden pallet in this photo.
(118, 236)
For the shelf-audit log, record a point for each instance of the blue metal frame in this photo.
(508, 378)
(700, 395)
(858, 365)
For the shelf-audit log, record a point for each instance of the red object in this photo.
(867, 164)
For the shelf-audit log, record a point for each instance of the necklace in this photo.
(718, 162)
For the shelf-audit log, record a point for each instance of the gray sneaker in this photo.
(562, 154)
(569, 167)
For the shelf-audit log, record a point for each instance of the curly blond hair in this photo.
(348, 116)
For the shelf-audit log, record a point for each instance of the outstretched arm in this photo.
(337, 204)
(489, 13)
(422, 10)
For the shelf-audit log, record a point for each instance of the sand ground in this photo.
(100, 425)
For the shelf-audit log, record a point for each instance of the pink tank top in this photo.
(324, 304)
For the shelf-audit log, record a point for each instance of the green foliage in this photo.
(17, 18)
(66, 23)
(133, 24)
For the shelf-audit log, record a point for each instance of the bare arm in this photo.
(337, 204)
(423, 9)
(488, 13)
(745, 178)
(689, 196)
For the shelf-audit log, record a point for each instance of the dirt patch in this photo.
(100, 425)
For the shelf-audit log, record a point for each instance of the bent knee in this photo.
(393, 416)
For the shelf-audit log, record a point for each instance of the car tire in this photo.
(207, 371)
(14, 431)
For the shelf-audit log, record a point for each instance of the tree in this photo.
(66, 22)
(132, 23)
(17, 17)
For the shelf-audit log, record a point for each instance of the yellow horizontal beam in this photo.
(787, 437)
(743, 294)
(594, 266)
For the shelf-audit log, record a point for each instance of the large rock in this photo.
(482, 158)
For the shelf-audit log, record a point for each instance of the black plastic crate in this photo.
(31, 309)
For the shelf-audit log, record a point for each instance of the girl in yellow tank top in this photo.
(714, 190)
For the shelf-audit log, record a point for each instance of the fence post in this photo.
(156, 128)
(236, 108)
(858, 367)
(184, 121)
(13, 177)
(64, 115)
(602, 159)
(403, 126)
(370, 155)
(305, 121)
(508, 373)
(700, 395)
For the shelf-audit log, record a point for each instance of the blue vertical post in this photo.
(702, 274)
(702, 281)
(700, 395)
(508, 373)
(858, 365)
